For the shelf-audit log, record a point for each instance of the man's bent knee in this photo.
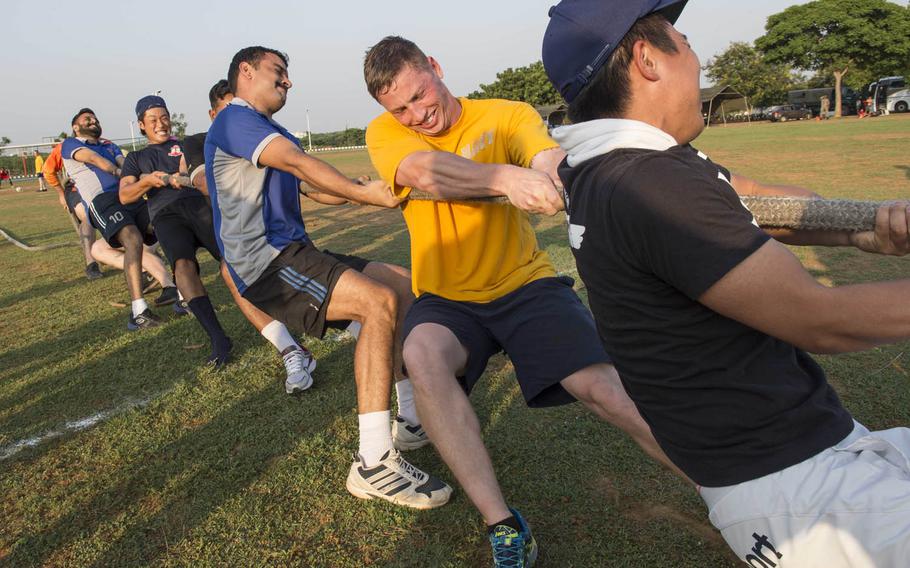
(431, 350)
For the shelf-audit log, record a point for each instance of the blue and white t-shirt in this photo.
(256, 210)
(90, 180)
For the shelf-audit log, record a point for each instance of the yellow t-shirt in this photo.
(39, 164)
(469, 252)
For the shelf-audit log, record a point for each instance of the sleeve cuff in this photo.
(261, 147)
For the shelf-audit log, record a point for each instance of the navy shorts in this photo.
(183, 227)
(543, 327)
(296, 287)
(109, 216)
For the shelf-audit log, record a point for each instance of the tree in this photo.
(528, 84)
(178, 125)
(4, 141)
(836, 36)
(744, 69)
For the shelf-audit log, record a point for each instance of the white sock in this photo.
(354, 329)
(278, 335)
(375, 436)
(139, 306)
(406, 407)
(179, 295)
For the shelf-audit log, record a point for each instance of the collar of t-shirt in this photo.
(593, 138)
(242, 103)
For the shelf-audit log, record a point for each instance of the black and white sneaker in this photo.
(406, 436)
(145, 320)
(397, 481)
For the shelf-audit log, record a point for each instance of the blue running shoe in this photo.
(513, 549)
(182, 308)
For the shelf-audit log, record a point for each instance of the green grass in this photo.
(203, 468)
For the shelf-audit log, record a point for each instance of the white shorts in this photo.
(848, 507)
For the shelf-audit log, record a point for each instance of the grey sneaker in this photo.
(406, 436)
(398, 482)
(299, 364)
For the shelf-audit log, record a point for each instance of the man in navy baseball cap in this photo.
(149, 102)
(584, 33)
(709, 318)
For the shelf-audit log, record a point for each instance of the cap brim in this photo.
(673, 10)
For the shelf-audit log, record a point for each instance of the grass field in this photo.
(190, 467)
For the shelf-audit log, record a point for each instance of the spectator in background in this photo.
(4, 175)
(826, 107)
(39, 168)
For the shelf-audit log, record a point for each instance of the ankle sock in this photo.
(406, 407)
(139, 306)
(375, 436)
(278, 335)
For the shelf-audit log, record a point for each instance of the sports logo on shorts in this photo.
(175, 151)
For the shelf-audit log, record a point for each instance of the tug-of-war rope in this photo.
(769, 212)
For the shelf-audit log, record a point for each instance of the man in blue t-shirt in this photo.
(180, 213)
(253, 168)
(708, 317)
(94, 165)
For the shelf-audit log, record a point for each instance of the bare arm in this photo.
(771, 291)
(869, 241)
(449, 176)
(132, 189)
(87, 156)
(283, 155)
(548, 162)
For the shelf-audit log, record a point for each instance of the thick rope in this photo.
(769, 212)
(24, 246)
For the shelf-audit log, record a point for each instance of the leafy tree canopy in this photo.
(528, 84)
(743, 68)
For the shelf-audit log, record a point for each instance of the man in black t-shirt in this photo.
(709, 318)
(180, 214)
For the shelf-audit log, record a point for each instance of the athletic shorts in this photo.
(185, 226)
(40, 175)
(72, 200)
(109, 216)
(295, 288)
(543, 327)
(847, 507)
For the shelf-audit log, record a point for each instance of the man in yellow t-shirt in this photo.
(39, 170)
(481, 282)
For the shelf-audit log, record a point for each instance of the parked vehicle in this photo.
(783, 113)
(898, 101)
(812, 99)
(881, 91)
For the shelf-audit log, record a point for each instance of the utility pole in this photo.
(308, 136)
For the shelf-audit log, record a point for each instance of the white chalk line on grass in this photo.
(10, 450)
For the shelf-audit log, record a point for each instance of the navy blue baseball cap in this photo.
(583, 33)
(149, 102)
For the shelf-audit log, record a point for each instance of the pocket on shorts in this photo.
(891, 445)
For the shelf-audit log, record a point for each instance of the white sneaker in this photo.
(299, 364)
(406, 436)
(398, 482)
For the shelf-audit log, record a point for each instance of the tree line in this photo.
(824, 43)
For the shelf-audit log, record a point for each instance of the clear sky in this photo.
(59, 56)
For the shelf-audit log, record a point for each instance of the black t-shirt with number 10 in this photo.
(652, 231)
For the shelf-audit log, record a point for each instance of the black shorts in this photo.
(72, 200)
(185, 226)
(543, 327)
(109, 216)
(296, 287)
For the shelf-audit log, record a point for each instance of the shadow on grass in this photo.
(906, 170)
(186, 479)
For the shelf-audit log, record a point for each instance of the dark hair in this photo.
(251, 55)
(386, 59)
(218, 91)
(80, 113)
(607, 95)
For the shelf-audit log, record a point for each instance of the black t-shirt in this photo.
(159, 158)
(651, 232)
(194, 153)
